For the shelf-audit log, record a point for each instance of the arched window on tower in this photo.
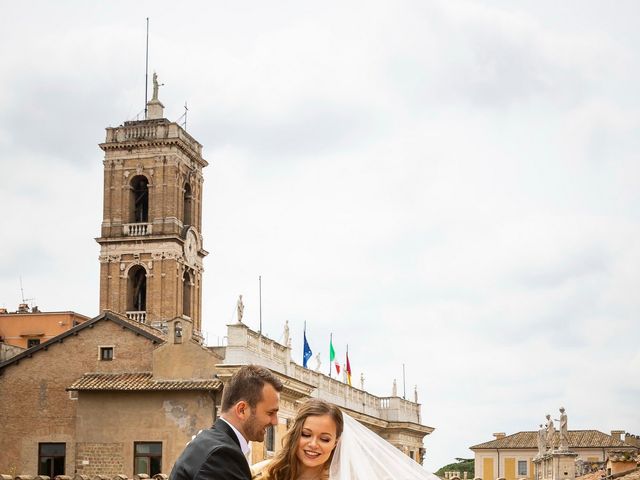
(139, 203)
(186, 294)
(137, 293)
(188, 205)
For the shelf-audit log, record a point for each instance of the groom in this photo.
(249, 405)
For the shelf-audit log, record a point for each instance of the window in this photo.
(186, 294)
(148, 458)
(137, 293)
(32, 342)
(51, 458)
(139, 199)
(270, 439)
(106, 353)
(522, 468)
(186, 214)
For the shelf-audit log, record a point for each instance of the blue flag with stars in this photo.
(306, 352)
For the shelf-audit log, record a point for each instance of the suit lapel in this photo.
(223, 426)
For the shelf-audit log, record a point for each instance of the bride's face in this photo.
(317, 441)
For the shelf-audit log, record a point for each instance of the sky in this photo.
(450, 188)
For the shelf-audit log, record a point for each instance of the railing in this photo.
(143, 130)
(137, 229)
(139, 316)
(140, 131)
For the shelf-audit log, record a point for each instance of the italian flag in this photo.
(332, 356)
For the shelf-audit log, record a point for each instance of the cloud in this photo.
(448, 186)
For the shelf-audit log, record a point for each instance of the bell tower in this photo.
(151, 244)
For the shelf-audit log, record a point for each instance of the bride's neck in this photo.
(307, 473)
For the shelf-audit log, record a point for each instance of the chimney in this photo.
(499, 435)
(617, 434)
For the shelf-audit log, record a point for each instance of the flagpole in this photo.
(404, 387)
(260, 296)
(330, 345)
(146, 72)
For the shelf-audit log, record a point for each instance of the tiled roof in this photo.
(632, 475)
(141, 381)
(577, 439)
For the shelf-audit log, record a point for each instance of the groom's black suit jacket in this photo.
(214, 454)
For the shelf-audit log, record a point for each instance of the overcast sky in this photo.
(449, 185)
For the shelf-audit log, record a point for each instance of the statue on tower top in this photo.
(156, 86)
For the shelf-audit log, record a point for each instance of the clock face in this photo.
(191, 247)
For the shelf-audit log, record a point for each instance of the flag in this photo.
(332, 354)
(348, 368)
(306, 351)
(337, 367)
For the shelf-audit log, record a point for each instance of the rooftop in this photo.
(577, 439)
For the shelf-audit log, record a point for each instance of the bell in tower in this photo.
(151, 249)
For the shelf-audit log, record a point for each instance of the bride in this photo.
(325, 443)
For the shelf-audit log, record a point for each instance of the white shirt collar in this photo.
(244, 445)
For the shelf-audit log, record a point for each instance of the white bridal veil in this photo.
(363, 455)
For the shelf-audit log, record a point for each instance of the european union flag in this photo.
(306, 352)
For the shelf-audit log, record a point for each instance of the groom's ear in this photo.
(242, 410)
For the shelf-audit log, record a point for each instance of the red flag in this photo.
(348, 369)
(337, 368)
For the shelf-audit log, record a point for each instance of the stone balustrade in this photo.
(138, 316)
(152, 131)
(246, 346)
(137, 229)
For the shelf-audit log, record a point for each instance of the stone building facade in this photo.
(151, 244)
(122, 393)
(512, 456)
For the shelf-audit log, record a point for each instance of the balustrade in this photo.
(137, 229)
(138, 316)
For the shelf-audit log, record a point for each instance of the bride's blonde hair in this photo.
(285, 463)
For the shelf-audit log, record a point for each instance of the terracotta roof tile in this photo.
(632, 475)
(141, 381)
(577, 439)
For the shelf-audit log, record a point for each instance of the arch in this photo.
(187, 205)
(187, 283)
(139, 200)
(137, 289)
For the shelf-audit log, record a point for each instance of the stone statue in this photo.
(286, 333)
(415, 393)
(361, 381)
(394, 391)
(155, 86)
(240, 308)
(564, 432)
(318, 362)
(542, 445)
(551, 430)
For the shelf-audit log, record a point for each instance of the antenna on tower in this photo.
(146, 72)
(183, 118)
(25, 301)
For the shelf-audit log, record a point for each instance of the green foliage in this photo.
(461, 465)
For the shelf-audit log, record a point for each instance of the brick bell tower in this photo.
(151, 244)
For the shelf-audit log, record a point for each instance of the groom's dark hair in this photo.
(247, 384)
